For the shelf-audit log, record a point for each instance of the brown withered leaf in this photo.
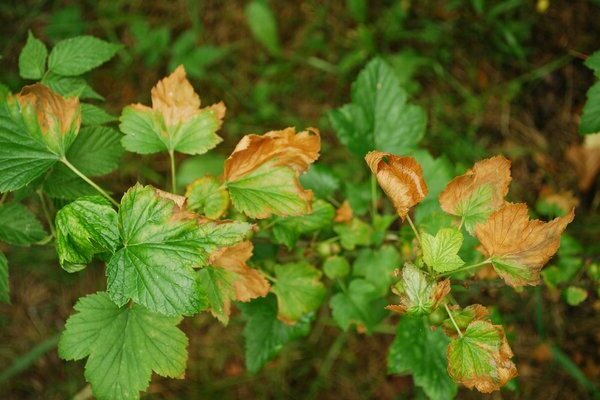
(479, 192)
(401, 178)
(58, 118)
(249, 283)
(284, 148)
(518, 247)
(586, 160)
(564, 201)
(344, 212)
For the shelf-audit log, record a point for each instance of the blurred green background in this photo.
(504, 76)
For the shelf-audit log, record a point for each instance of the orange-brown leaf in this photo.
(344, 212)
(586, 160)
(401, 178)
(518, 247)
(249, 283)
(285, 147)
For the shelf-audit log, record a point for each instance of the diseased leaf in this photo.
(377, 266)
(298, 289)
(84, 228)
(32, 59)
(264, 334)
(463, 317)
(354, 233)
(378, 117)
(440, 252)
(344, 212)
(217, 283)
(418, 295)
(174, 123)
(401, 178)
(518, 247)
(75, 56)
(360, 305)
(421, 351)
(287, 230)
(586, 160)
(18, 225)
(208, 196)
(479, 192)
(124, 345)
(4, 285)
(262, 173)
(480, 358)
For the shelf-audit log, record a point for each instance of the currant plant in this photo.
(168, 256)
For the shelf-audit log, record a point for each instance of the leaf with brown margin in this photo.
(344, 212)
(49, 116)
(479, 192)
(262, 172)
(481, 357)
(417, 294)
(175, 122)
(463, 317)
(401, 178)
(249, 283)
(518, 247)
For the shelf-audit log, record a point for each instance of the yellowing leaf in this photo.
(175, 122)
(518, 247)
(479, 192)
(262, 172)
(207, 196)
(344, 213)
(49, 117)
(401, 178)
(480, 358)
(417, 294)
(249, 283)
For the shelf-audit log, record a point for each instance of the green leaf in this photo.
(208, 196)
(336, 267)
(84, 228)
(378, 117)
(18, 225)
(70, 86)
(263, 25)
(441, 251)
(195, 167)
(355, 233)
(421, 352)
(360, 304)
(93, 115)
(575, 295)
(590, 118)
(287, 230)
(515, 271)
(4, 285)
(210, 236)
(264, 334)
(268, 190)
(161, 245)
(146, 131)
(381, 224)
(124, 346)
(217, 283)
(75, 56)
(22, 157)
(418, 295)
(593, 63)
(480, 358)
(321, 180)
(32, 60)
(377, 266)
(298, 289)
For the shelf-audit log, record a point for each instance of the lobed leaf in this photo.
(208, 196)
(19, 226)
(418, 295)
(287, 230)
(377, 266)
(360, 304)
(440, 252)
(298, 289)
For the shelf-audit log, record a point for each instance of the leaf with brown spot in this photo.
(344, 212)
(175, 122)
(262, 172)
(519, 248)
(401, 178)
(418, 295)
(480, 191)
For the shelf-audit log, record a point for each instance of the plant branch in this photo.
(89, 181)
(46, 213)
(414, 228)
(466, 268)
(453, 321)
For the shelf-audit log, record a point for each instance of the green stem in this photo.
(46, 213)
(89, 181)
(373, 196)
(412, 225)
(466, 268)
(453, 321)
(173, 172)
(3, 198)
(462, 221)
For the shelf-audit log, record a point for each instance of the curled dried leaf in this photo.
(479, 192)
(56, 119)
(401, 178)
(344, 212)
(586, 160)
(518, 247)
(249, 283)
